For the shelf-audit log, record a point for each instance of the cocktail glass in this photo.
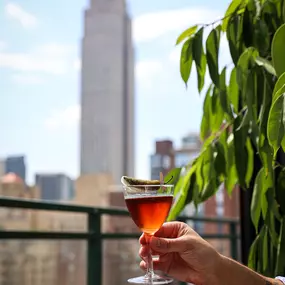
(149, 206)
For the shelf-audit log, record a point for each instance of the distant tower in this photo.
(107, 91)
(55, 186)
(16, 164)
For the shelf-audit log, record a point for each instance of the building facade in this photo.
(162, 160)
(189, 150)
(17, 165)
(107, 91)
(55, 187)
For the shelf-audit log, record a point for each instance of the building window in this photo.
(155, 161)
(166, 162)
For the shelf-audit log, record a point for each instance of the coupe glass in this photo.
(149, 206)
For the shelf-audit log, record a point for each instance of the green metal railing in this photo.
(94, 235)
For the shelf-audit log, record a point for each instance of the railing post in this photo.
(94, 253)
(233, 240)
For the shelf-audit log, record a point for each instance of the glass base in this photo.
(156, 280)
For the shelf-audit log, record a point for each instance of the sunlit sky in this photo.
(40, 75)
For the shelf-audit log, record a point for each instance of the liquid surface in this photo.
(149, 213)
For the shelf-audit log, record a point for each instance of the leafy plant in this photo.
(243, 120)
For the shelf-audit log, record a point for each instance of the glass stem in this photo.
(149, 261)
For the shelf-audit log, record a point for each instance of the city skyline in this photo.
(39, 79)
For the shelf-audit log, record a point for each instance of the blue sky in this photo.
(40, 73)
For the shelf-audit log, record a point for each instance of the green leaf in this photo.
(233, 8)
(277, 50)
(245, 121)
(220, 159)
(223, 94)
(283, 11)
(199, 174)
(192, 188)
(264, 110)
(209, 190)
(270, 14)
(279, 87)
(172, 176)
(272, 203)
(234, 35)
(205, 124)
(264, 248)
(233, 91)
(186, 60)
(280, 191)
(266, 64)
(252, 258)
(186, 34)
(208, 174)
(248, 28)
(256, 198)
(264, 203)
(199, 58)
(181, 193)
(231, 177)
(250, 162)
(241, 156)
(245, 62)
(266, 154)
(208, 164)
(212, 54)
(275, 126)
(270, 222)
(261, 37)
(251, 95)
(280, 267)
(217, 113)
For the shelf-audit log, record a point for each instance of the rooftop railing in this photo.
(94, 235)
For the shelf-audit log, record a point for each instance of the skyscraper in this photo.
(107, 90)
(17, 165)
(55, 186)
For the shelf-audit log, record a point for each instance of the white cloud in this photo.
(3, 45)
(153, 25)
(27, 79)
(32, 63)
(62, 119)
(51, 58)
(16, 12)
(55, 49)
(147, 69)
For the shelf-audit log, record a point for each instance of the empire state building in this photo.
(107, 91)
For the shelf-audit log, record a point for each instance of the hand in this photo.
(183, 254)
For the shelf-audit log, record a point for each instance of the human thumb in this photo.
(167, 245)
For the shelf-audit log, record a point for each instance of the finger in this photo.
(143, 239)
(157, 265)
(169, 230)
(163, 257)
(168, 245)
(143, 252)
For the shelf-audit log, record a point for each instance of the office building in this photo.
(107, 91)
(2, 167)
(55, 186)
(17, 165)
(189, 150)
(163, 158)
